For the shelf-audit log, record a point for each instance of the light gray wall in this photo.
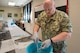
(12, 10)
(74, 13)
(60, 3)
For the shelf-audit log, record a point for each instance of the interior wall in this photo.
(35, 3)
(12, 10)
(74, 13)
(60, 3)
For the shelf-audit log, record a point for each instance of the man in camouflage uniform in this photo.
(55, 25)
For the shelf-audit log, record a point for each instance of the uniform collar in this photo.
(53, 16)
(48, 19)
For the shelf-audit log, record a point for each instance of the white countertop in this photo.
(16, 33)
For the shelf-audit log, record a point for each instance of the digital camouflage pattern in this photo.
(51, 26)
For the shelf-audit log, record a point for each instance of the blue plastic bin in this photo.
(33, 49)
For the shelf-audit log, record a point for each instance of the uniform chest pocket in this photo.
(55, 27)
(43, 24)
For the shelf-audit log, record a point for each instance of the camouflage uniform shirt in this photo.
(51, 26)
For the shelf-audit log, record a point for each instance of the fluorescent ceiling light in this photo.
(11, 3)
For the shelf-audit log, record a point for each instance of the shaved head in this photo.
(49, 7)
(48, 3)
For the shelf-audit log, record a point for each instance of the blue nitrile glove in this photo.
(45, 44)
(35, 37)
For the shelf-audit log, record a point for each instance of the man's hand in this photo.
(46, 44)
(35, 37)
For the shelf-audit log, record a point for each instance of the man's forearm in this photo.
(61, 37)
(36, 28)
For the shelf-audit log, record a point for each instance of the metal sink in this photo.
(23, 39)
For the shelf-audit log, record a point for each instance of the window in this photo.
(27, 12)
